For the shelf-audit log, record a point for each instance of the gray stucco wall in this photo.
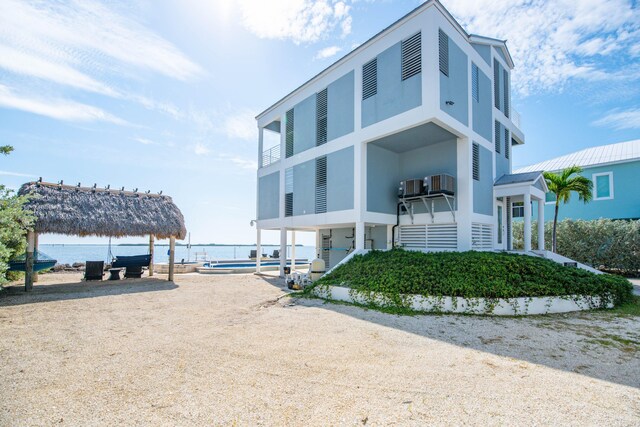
(484, 51)
(339, 180)
(304, 188)
(502, 163)
(394, 95)
(304, 129)
(269, 196)
(340, 107)
(481, 109)
(483, 189)
(379, 236)
(455, 87)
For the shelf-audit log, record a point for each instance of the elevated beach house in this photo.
(406, 140)
(614, 170)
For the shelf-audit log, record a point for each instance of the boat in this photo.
(41, 261)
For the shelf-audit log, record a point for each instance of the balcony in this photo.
(270, 156)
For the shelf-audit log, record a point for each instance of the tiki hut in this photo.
(92, 211)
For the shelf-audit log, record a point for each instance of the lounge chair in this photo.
(94, 270)
(275, 254)
(253, 253)
(131, 261)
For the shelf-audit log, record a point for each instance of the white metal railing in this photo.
(515, 118)
(270, 156)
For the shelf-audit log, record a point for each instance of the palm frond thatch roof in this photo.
(87, 211)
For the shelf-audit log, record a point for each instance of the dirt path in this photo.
(221, 350)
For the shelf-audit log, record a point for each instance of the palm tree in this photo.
(562, 184)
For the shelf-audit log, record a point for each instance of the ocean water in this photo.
(68, 254)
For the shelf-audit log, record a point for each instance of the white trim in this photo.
(595, 185)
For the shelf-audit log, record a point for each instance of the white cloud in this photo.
(144, 141)
(241, 162)
(553, 41)
(201, 149)
(241, 125)
(629, 119)
(19, 174)
(328, 52)
(299, 20)
(60, 109)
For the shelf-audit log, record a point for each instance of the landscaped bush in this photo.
(471, 275)
(604, 244)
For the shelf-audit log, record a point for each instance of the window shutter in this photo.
(475, 83)
(498, 136)
(288, 192)
(505, 84)
(289, 133)
(321, 117)
(321, 184)
(496, 84)
(476, 161)
(507, 142)
(370, 79)
(411, 56)
(443, 43)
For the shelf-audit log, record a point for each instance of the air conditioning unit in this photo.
(411, 187)
(440, 184)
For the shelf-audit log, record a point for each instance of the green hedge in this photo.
(471, 275)
(604, 244)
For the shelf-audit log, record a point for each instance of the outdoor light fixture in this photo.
(449, 102)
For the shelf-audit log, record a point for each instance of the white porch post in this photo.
(260, 145)
(293, 251)
(258, 249)
(318, 244)
(359, 235)
(389, 237)
(540, 225)
(283, 250)
(172, 256)
(527, 222)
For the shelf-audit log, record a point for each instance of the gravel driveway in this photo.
(225, 351)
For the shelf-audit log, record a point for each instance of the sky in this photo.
(162, 95)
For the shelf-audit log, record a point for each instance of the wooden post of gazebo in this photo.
(35, 255)
(151, 248)
(28, 270)
(172, 256)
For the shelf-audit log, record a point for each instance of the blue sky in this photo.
(161, 95)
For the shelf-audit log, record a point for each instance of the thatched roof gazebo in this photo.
(92, 211)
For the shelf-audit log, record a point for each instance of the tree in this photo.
(6, 149)
(562, 184)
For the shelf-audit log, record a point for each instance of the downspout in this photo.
(393, 230)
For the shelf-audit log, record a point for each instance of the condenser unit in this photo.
(440, 184)
(411, 187)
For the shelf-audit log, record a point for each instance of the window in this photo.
(602, 186)
(498, 135)
(370, 79)
(507, 143)
(496, 84)
(289, 118)
(321, 117)
(550, 198)
(476, 161)
(443, 44)
(411, 56)
(518, 209)
(475, 86)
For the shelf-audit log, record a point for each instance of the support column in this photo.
(35, 255)
(28, 274)
(151, 250)
(283, 250)
(540, 225)
(260, 146)
(318, 244)
(527, 222)
(172, 256)
(293, 251)
(389, 237)
(359, 235)
(258, 249)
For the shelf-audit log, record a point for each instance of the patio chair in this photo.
(275, 254)
(94, 270)
(253, 253)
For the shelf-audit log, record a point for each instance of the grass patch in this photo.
(472, 275)
(629, 308)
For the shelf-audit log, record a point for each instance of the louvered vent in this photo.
(289, 133)
(476, 162)
(413, 236)
(496, 84)
(411, 56)
(288, 192)
(509, 216)
(321, 185)
(481, 236)
(505, 84)
(497, 137)
(507, 143)
(443, 43)
(321, 117)
(475, 83)
(442, 237)
(370, 79)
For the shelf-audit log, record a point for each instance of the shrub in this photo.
(471, 275)
(604, 244)
(14, 222)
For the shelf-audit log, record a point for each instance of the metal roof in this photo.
(612, 153)
(518, 178)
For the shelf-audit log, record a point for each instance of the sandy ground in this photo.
(213, 350)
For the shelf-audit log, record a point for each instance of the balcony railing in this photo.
(270, 156)
(515, 118)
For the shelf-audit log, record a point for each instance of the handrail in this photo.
(270, 156)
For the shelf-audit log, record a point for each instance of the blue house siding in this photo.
(394, 96)
(304, 130)
(340, 109)
(483, 188)
(455, 87)
(304, 184)
(382, 179)
(269, 196)
(481, 109)
(339, 180)
(484, 51)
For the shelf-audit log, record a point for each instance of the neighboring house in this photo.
(422, 98)
(615, 172)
